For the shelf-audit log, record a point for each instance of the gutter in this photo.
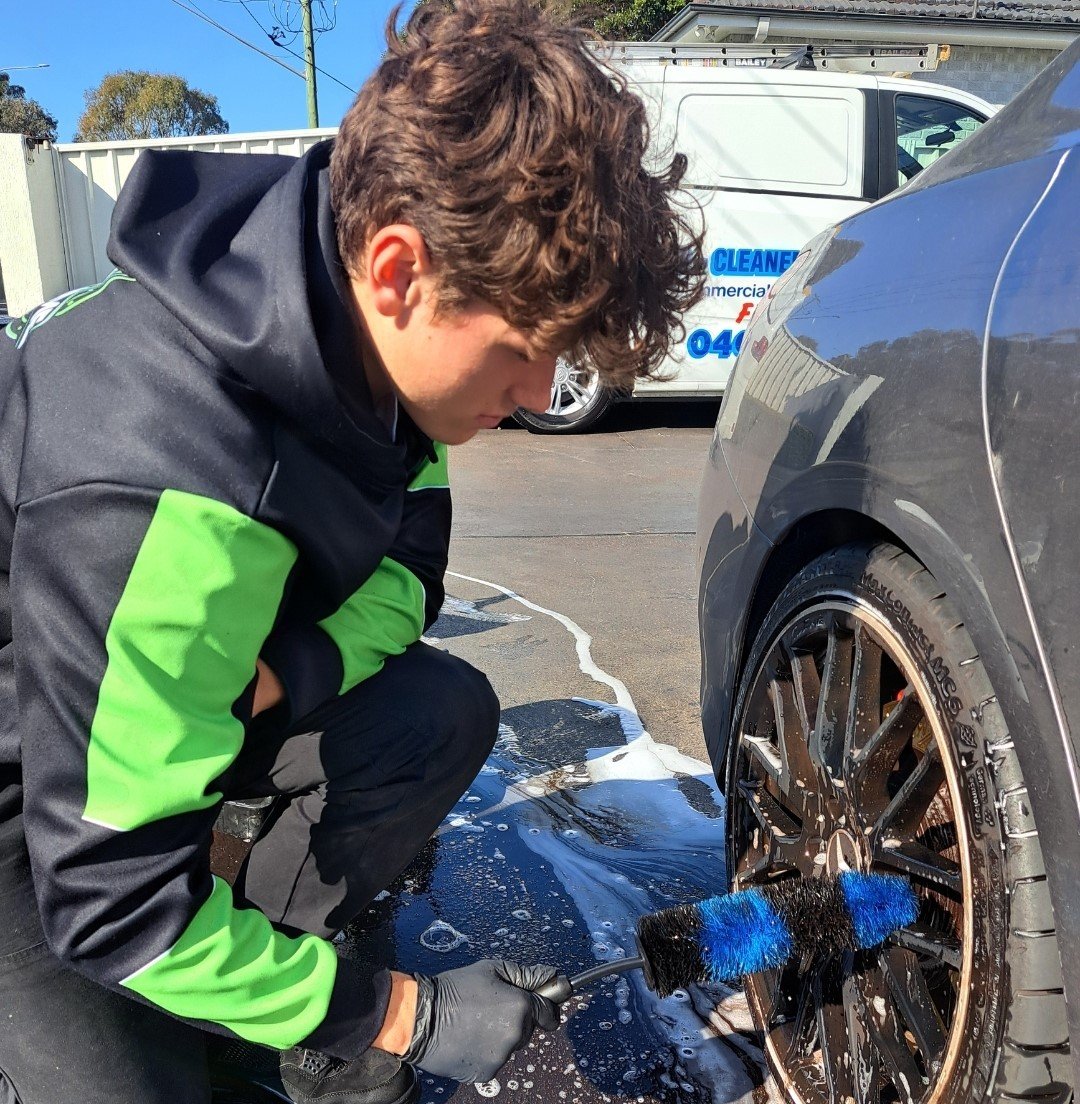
(703, 24)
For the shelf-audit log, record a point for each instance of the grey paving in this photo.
(601, 528)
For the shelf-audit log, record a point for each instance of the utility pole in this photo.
(309, 66)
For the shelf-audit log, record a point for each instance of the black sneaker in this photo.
(376, 1077)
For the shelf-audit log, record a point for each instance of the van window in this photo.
(926, 128)
(771, 141)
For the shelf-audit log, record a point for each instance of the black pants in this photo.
(362, 783)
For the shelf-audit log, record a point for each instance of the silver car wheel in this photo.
(573, 389)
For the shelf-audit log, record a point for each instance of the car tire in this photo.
(868, 736)
(578, 402)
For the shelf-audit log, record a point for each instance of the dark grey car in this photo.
(890, 617)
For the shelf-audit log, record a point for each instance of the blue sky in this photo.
(82, 41)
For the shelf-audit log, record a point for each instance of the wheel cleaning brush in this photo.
(756, 929)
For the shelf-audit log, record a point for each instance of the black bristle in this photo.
(816, 915)
(670, 942)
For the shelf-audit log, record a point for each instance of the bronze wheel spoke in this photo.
(829, 737)
(798, 770)
(764, 756)
(777, 823)
(864, 1054)
(833, 1031)
(922, 864)
(800, 1043)
(778, 858)
(908, 807)
(927, 943)
(872, 763)
(908, 988)
(864, 707)
(778, 985)
(807, 687)
(897, 1063)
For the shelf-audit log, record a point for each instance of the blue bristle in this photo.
(741, 934)
(879, 904)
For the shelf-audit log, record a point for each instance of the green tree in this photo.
(635, 20)
(131, 105)
(18, 115)
(618, 20)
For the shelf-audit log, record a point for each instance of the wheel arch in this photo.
(912, 530)
(811, 536)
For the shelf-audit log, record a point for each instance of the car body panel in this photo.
(857, 403)
(831, 415)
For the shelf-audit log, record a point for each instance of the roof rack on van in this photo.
(843, 58)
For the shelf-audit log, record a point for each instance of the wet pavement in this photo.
(578, 823)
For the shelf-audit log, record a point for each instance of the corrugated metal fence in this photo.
(90, 175)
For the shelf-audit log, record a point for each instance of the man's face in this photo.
(461, 373)
(455, 373)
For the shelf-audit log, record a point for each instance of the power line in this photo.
(282, 46)
(284, 11)
(225, 30)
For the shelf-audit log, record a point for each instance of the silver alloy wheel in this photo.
(573, 389)
(843, 762)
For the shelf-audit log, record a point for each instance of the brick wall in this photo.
(996, 73)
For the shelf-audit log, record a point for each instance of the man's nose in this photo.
(533, 389)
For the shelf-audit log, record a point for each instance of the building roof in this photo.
(1062, 13)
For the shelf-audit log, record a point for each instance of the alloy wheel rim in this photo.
(573, 388)
(843, 763)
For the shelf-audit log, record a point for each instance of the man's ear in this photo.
(394, 264)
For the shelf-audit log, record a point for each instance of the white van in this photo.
(775, 156)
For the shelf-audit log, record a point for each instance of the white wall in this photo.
(92, 173)
(31, 236)
(56, 204)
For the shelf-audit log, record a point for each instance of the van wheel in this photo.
(868, 736)
(578, 402)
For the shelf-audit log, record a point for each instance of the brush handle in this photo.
(561, 987)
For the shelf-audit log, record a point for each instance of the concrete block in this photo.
(31, 233)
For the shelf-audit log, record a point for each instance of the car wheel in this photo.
(868, 736)
(578, 402)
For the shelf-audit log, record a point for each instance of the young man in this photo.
(224, 521)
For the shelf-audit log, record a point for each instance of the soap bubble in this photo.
(442, 937)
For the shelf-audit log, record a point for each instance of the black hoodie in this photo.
(192, 476)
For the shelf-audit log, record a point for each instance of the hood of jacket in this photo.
(241, 249)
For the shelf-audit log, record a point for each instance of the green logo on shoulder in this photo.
(20, 329)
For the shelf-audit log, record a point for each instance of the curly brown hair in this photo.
(523, 163)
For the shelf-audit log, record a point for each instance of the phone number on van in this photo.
(703, 343)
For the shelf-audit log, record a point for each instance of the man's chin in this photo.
(458, 436)
(444, 431)
(447, 434)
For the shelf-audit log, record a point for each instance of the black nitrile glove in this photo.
(469, 1021)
